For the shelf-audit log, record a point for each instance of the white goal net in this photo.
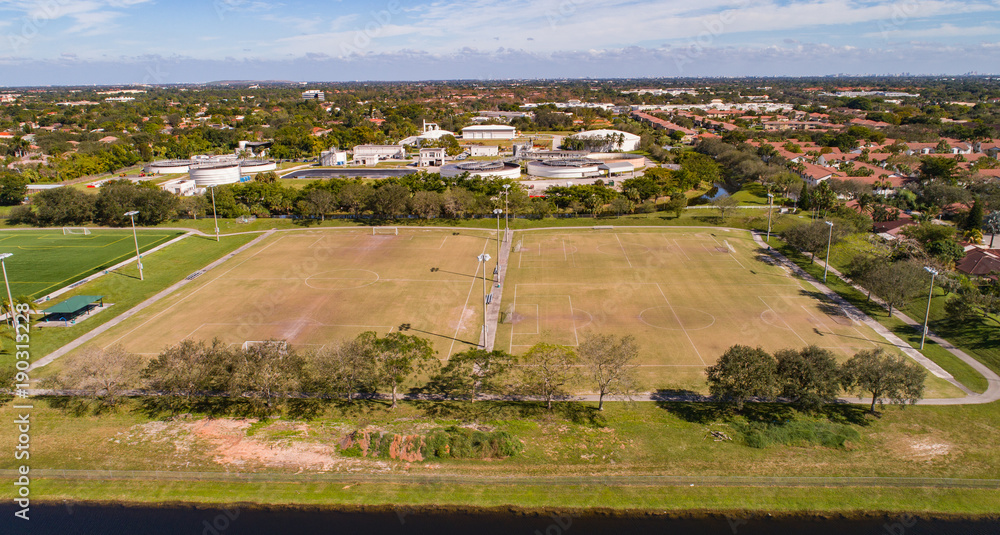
(281, 345)
(393, 231)
(75, 230)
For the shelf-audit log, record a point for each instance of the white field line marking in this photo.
(514, 310)
(679, 323)
(572, 315)
(787, 326)
(623, 250)
(538, 313)
(565, 257)
(677, 244)
(472, 287)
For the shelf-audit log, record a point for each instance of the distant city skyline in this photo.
(77, 42)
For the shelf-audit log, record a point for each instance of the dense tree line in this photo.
(68, 206)
(367, 366)
(810, 377)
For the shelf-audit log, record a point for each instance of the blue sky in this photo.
(178, 41)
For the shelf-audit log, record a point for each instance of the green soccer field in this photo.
(45, 260)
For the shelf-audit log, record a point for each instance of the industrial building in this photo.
(565, 168)
(489, 131)
(482, 150)
(372, 154)
(178, 167)
(497, 168)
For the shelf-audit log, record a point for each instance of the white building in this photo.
(372, 154)
(616, 139)
(489, 131)
(333, 157)
(313, 94)
(483, 150)
(431, 156)
(432, 132)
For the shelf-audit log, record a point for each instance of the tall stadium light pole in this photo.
(829, 242)
(484, 258)
(10, 312)
(927, 315)
(770, 202)
(138, 259)
(215, 214)
(498, 212)
(506, 209)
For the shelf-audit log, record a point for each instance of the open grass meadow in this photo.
(623, 458)
(315, 287)
(46, 260)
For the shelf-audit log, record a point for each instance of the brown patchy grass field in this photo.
(685, 294)
(316, 287)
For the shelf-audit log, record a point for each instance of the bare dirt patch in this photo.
(225, 441)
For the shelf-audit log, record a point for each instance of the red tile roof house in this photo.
(814, 174)
(980, 261)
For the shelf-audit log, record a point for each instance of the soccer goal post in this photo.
(75, 230)
(385, 231)
(281, 345)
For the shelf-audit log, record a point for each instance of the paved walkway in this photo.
(992, 392)
(44, 361)
(493, 310)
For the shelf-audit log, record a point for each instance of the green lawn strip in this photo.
(644, 439)
(845, 500)
(45, 261)
(123, 289)
(961, 371)
(980, 339)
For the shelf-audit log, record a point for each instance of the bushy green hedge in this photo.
(795, 433)
(449, 443)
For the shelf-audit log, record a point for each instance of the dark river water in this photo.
(110, 520)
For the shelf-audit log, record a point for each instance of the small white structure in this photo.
(180, 186)
(372, 154)
(483, 150)
(333, 157)
(489, 131)
(252, 167)
(614, 140)
(617, 168)
(431, 156)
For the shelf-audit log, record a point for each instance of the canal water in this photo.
(73, 519)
